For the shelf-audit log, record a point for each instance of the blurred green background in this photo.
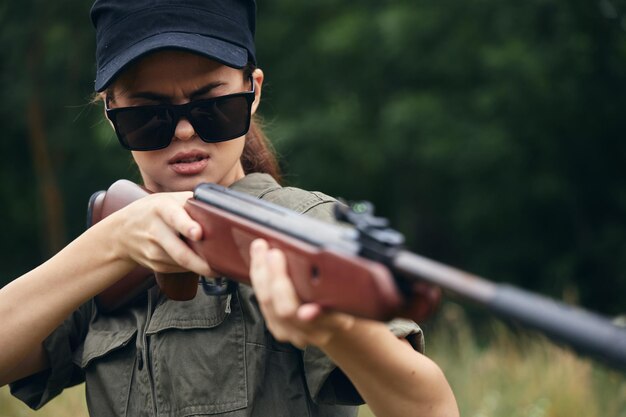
(489, 132)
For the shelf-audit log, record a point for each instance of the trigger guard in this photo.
(217, 286)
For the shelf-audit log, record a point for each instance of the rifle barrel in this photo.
(585, 332)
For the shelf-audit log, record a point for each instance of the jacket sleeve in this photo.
(36, 390)
(328, 384)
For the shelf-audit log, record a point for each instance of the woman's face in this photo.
(177, 77)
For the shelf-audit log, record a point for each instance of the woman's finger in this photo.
(273, 288)
(185, 257)
(258, 271)
(176, 216)
(260, 280)
(309, 312)
(285, 300)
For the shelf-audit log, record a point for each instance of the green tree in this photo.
(56, 147)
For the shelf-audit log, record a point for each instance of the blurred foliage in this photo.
(489, 132)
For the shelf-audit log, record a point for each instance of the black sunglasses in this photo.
(148, 128)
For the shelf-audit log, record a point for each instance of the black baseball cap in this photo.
(126, 30)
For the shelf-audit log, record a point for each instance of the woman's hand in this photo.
(149, 232)
(287, 318)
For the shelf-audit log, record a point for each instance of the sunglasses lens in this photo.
(144, 128)
(221, 119)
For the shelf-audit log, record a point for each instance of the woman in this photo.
(179, 86)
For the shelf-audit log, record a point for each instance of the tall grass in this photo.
(71, 404)
(515, 374)
(502, 373)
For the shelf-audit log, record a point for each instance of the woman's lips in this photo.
(189, 163)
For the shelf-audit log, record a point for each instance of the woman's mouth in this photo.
(188, 163)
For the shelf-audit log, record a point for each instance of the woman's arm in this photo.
(392, 378)
(390, 375)
(33, 305)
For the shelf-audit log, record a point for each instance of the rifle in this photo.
(362, 269)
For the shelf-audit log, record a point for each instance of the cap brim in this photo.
(221, 51)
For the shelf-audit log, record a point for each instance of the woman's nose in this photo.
(184, 130)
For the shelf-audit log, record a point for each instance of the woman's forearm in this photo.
(33, 305)
(392, 378)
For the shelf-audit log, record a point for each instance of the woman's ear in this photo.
(257, 79)
(103, 97)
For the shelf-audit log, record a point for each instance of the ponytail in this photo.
(258, 154)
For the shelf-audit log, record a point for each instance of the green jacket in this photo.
(212, 355)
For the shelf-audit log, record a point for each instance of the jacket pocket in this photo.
(108, 357)
(99, 343)
(198, 355)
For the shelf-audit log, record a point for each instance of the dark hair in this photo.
(258, 153)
